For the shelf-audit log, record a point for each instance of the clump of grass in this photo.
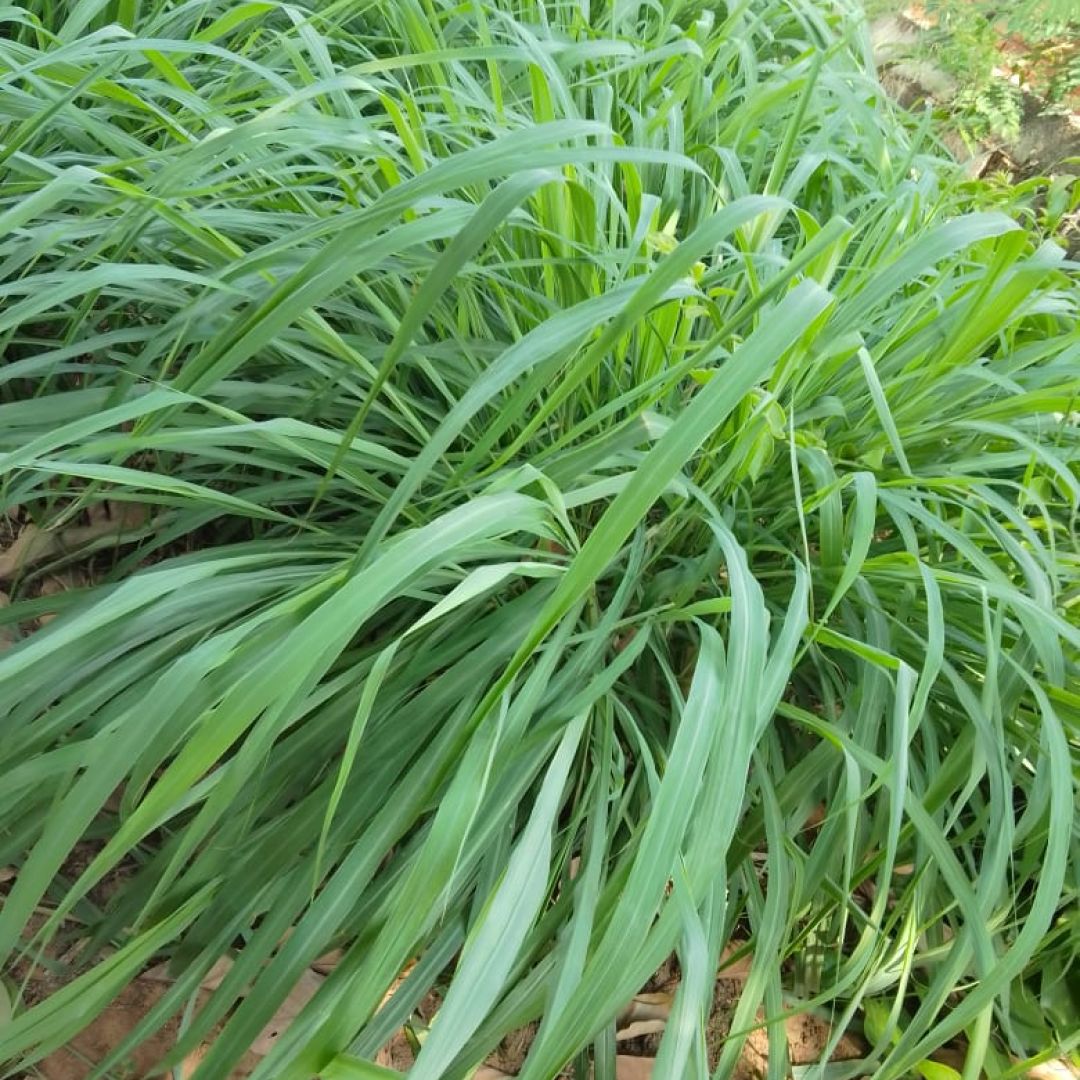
(606, 438)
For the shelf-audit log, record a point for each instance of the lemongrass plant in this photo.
(604, 485)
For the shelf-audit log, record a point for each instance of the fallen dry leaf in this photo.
(117, 514)
(6, 873)
(735, 969)
(489, 1072)
(192, 1061)
(633, 1068)
(32, 545)
(638, 1028)
(328, 961)
(211, 981)
(647, 1006)
(652, 1006)
(298, 997)
(1053, 1070)
(53, 586)
(402, 976)
(216, 975)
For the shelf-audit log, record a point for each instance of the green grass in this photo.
(575, 435)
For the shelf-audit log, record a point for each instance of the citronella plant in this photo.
(600, 488)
